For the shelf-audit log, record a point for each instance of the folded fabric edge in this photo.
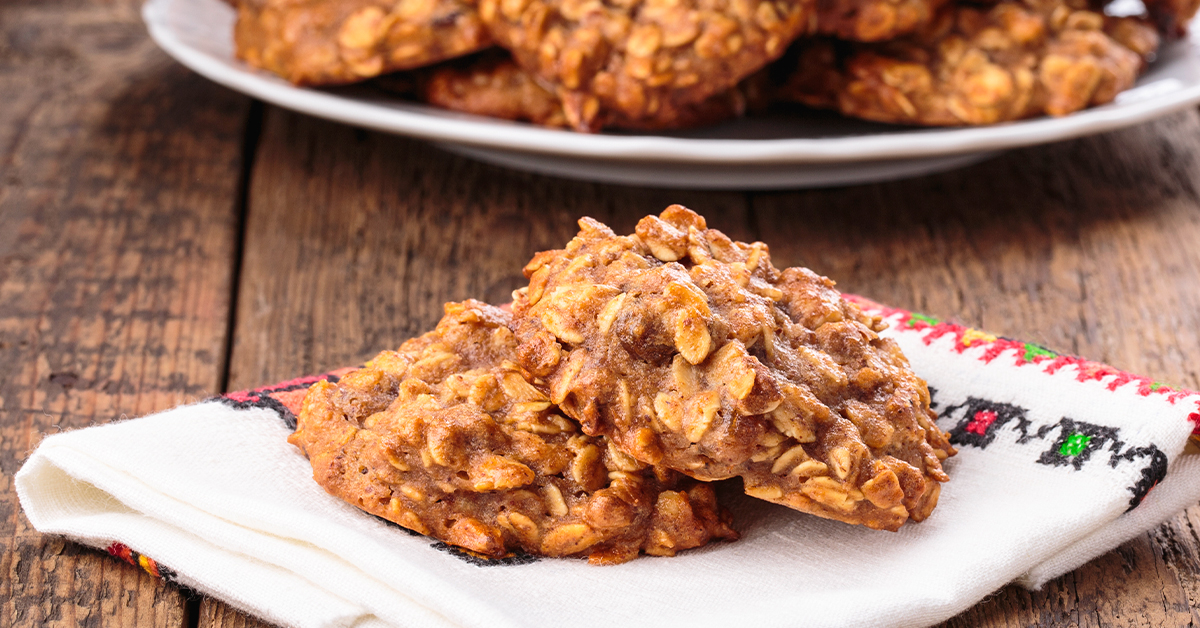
(56, 502)
(102, 456)
(102, 484)
(1178, 491)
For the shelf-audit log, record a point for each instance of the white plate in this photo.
(794, 149)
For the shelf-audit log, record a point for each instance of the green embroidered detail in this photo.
(1074, 445)
(915, 318)
(1156, 385)
(1033, 351)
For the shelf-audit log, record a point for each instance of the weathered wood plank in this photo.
(118, 180)
(214, 614)
(1086, 247)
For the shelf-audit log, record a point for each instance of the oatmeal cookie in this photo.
(330, 42)
(693, 352)
(642, 59)
(873, 20)
(448, 437)
(1017, 59)
(494, 85)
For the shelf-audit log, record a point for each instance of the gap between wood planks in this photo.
(253, 133)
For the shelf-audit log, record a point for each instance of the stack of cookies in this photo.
(589, 65)
(630, 373)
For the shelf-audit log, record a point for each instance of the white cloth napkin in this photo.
(1053, 452)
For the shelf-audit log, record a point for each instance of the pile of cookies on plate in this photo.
(591, 418)
(591, 65)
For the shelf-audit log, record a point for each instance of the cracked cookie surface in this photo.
(642, 59)
(329, 42)
(447, 437)
(692, 351)
(873, 20)
(979, 65)
(493, 85)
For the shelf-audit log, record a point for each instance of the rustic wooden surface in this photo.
(118, 186)
(162, 239)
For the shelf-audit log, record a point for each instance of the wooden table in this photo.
(163, 239)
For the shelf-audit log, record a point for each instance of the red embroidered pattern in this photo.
(289, 394)
(981, 422)
(151, 566)
(1027, 353)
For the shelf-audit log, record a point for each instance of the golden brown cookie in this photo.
(330, 42)
(1017, 59)
(447, 437)
(692, 351)
(642, 59)
(493, 85)
(873, 20)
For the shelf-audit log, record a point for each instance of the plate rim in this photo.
(435, 125)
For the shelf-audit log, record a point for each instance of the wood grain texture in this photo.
(215, 614)
(1087, 247)
(117, 231)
